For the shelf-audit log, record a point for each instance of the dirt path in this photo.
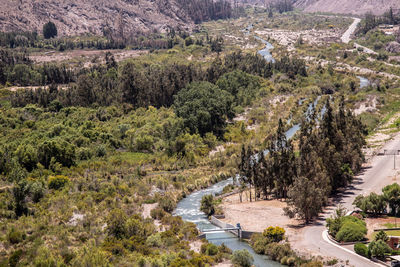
(258, 215)
(346, 37)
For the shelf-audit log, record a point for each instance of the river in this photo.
(364, 82)
(189, 208)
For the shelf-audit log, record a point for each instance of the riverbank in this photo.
(258, 215)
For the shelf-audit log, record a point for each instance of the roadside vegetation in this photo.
(86, 152)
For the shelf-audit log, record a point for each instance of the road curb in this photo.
(325, 236)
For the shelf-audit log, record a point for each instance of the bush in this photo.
(207, 205)
(350, 232)
(57, 182)
(157, 213)
(15, 257)
(154, 240)
(378, 249)
(14, 236)
(167, 204)
(242, 258)
(211, 250)
(361, 249)
(274, 234)
(277, 251)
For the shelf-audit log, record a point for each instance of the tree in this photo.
(305, 199)
(391, 194)
(207, 205)
(204, 108)
(373, 203)
(381, 235)
(49, 30)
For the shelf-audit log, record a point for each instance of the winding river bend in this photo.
(189, 207)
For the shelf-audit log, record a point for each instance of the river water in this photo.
(189, 208)
(364, 82)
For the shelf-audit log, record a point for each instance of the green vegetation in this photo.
(270, 243)
(49, 30)
(207, 205)
(83, 158)
(361, 249)
(346, 228)
(242, 258)
(375, 204)
(320, 168)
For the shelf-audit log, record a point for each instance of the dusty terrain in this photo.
(288, 38)
(86, 56)
(356, 7)
(74, 17)
(256, 216)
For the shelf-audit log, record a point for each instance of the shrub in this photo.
(274, 234)
(211, 250)
(154, 240)
(57, 182)
(351, 231)
(242, 258)
(167, 204)
(15, 257)
(258, 242)
(207, 205)
(36, 190)
(157, 213)
(278, 251)
(361, 249)
(15, 236)
(378, 249)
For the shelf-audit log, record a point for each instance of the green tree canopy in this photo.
(49, 30)
(391, 194)
(204, 108)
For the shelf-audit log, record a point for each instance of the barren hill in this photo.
(355, 7)
(74, 17)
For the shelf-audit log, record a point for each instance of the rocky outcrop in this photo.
(74, 17)
(393, 47)
(355, 7)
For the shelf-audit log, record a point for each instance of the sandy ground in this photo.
(369, 105)
(224, 264)
(87, 55)
(147, 209)
(195, 245)
(256, 216)
(289, 38)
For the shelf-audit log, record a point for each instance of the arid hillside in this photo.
(74, 17)
(356, 7)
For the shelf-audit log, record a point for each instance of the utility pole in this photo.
(392, 152)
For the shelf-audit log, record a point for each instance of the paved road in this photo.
(377, 174)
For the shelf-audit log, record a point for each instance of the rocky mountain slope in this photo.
(74, 17)
(355, 7)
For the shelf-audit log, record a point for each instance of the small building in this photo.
(394, 242)
(388, 29)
